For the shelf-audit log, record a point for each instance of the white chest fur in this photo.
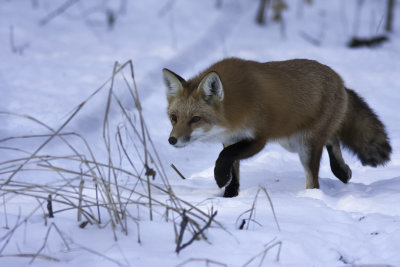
(221, 135)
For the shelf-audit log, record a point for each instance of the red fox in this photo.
(300, 103)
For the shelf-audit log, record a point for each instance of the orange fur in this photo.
(244, 104)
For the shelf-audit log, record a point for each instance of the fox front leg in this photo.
(232, 189)
(224, 164)
(223, 169)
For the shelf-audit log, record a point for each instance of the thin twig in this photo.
(196, 234)
(61, 9)
(264, 253)
(206, 261)
(177, 171)
(5, 212)
(253, 207)
(183, 225)
(272, 207)
(10, 234)
(52, 225)
(50, 206)
(29, 255)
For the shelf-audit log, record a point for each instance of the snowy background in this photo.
(48, 65)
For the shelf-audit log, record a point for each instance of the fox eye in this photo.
(195, 119)
(174, 118)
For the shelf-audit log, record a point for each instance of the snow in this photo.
(64, 61)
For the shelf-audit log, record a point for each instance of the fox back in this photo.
(275, 99)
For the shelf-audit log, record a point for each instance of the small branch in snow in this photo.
(242, 224)
(263, 7)
(368, 42)
(272, 207)
(45, 241)
(206, 261)
(5, 212)
(177, 171)
(263, 253)
(389, 15)
(9, 234)
(252, 210)
(30, 255)
(253, 206)
(50, 207)
(57, 12)
(184, 222)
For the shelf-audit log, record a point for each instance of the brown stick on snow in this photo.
(389, 15)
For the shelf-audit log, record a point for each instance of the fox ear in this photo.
(173, 82)
(212, 86)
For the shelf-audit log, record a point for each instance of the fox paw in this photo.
(343, 173)
(348, 173)
(222, 172)
(232, 190)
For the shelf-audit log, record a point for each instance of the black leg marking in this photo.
(341, 173)
(232, 190)
(224, 164)
(223, 170)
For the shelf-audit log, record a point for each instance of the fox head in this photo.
(193, 107)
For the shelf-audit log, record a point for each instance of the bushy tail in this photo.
(363, 133)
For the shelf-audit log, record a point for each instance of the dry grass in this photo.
(112, 187)
(264, 252)
(252, 211)
(197, 261)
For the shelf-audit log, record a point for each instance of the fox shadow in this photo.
(356, 197)
(352, 197)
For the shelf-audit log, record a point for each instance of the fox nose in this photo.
(172, 140)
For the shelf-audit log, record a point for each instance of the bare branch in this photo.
(61, 9)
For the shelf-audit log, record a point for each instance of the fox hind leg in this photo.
(309, 153)
(339, 168)
(310, 157)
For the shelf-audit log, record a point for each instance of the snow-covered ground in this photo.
(56, 66)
